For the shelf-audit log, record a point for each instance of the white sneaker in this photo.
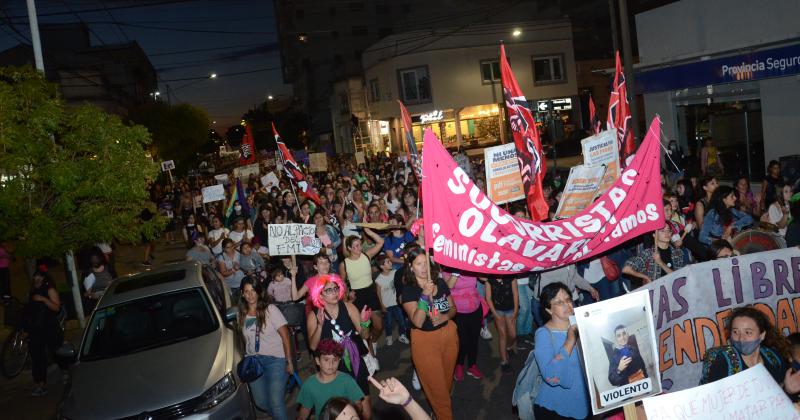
(403, 339)
(415, 381)
(389, 341)
(485, 333)
(372, 364)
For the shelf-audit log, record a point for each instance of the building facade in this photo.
(728, 70)
(453, 84)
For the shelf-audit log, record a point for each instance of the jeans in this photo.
(269, 389)
(396, 314)
(524, 316)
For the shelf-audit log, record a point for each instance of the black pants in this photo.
(469, 330)
(543, 413)
(5, 282)
(44, 341)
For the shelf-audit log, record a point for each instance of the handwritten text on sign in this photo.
(750, 394)
(293, 239)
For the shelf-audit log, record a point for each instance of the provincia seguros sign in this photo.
(756, 65)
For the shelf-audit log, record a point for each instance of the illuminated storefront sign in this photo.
(436, 115)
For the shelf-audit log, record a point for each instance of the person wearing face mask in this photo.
(752, 340)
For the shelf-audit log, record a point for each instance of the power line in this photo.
(204, 49)
(172, 29)
(132, 6)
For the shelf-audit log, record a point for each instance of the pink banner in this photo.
(468, 231)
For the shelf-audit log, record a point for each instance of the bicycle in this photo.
(14, 355)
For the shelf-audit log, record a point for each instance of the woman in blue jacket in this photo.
(723, 221)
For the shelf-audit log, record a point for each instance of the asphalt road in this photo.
(488, 399)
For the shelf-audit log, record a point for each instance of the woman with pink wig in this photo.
(339, 320)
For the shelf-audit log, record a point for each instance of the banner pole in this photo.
(630, 411)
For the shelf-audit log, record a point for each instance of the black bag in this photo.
(249, 368)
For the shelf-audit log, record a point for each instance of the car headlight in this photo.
(218, 393)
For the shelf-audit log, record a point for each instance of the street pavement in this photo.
(488, 399)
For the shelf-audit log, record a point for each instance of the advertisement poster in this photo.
(503, 181)
(618, 346)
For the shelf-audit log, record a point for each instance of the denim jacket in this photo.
(713, 228)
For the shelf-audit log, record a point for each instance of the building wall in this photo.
(697, 27)
(781, 118)
(455, 73)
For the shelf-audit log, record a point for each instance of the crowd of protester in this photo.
(373, 276)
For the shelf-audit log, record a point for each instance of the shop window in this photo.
(490, 71)
(359, 30)
(414, 85)
(548, 69)
(374, 90)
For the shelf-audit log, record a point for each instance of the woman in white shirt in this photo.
(240, 232)
(778, 213)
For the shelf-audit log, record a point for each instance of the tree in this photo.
(178, 131)
(70, 176)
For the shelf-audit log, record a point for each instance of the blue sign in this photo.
(778, 62)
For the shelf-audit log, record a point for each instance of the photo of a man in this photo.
(627, 365)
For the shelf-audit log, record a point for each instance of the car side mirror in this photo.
(231, 314)
(67, 353)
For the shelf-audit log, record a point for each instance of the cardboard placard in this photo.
(751, 393)
(618, 333)
(318, 162)
(246, 171)
(269, 180)
(503, 180)
(583, 185)
(167, 165)
(213, 193)
(293, 239)
(359, 158)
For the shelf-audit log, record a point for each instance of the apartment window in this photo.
(490, 71)
(548, 69)
(414, 85)
(359, 30)
(374, 90)
(356, 6)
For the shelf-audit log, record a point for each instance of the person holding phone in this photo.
(627, 365)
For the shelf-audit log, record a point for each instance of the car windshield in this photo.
(148, 323)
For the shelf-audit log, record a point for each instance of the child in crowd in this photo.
(328, 382)
(279, 288)
(388, 298)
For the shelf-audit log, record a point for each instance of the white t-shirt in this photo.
(392, 205)
(236, 237)
(388, 294)
(774, 215)
(594, 273)
(213, 236)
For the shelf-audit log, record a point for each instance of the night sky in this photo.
(234, 36)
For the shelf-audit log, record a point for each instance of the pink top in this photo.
(465, 294)
(271, 343)
(281, 291)
(5, 258)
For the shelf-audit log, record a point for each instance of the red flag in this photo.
(619, 114)
(532, 165)
(411, 145)
(594, 120)
(247, 149)
(292, 169)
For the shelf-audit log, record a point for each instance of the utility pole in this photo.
(628, 60)
(37, 43)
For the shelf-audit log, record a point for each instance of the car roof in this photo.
(164, 279)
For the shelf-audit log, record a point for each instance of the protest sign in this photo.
(582, 187)
(618, 349)
(246, 170)
(601, 149)
(503, 181)
(167, 165)
(269, 180)
(691, 306)
(293, 239)
(318, 162)
(749, 394)
(268, 162)
(469, 232)
(221, 178)
(213, 193)
(359, 158)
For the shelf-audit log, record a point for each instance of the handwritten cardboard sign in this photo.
(503, 181)
(293, 239)
(269, 180)
(618, 345)
(318, 162)
(360, 158)
(213, 193)
(583, 185)
(246, 170)
(749, 394)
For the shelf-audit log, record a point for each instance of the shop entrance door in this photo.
(735, 129)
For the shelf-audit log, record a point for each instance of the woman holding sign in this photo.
(563, 393)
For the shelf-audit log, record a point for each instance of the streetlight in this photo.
(212, 76)
(516, 33)
(270, 97)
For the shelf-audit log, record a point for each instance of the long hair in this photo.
(316, 287)
(411, 253)
(718, 204)
(772, 338)
(261, 303)
(334, 407)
